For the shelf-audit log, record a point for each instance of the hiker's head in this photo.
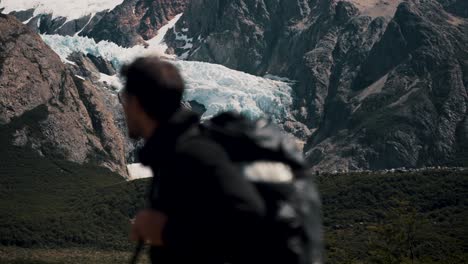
(152, 94)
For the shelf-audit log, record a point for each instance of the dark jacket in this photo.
(213, 213)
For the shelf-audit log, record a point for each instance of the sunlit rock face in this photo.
(43, 105)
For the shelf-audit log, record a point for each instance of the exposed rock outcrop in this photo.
(381, 83)
(73, 120)
(135, 21)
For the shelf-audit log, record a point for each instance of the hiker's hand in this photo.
(148, 226)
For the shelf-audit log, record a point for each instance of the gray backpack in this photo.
(273, 163)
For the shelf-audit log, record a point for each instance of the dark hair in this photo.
(157, 84)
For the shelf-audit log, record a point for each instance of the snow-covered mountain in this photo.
(70, 10)
(215, 87)
(124, 22)
(211, 88)
(376, 83)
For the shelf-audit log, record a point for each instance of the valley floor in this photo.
(16, 255)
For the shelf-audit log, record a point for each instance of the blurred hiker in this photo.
(222, 193)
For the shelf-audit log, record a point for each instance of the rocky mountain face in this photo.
(91, 68)
(128, 24)
(135, 21)
(47, 107)
(382, 83)
(457, 7)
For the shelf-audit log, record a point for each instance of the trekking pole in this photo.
(136, 253)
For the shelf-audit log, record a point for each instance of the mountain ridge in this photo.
(124, 22)
(377, 84)
(379, 92)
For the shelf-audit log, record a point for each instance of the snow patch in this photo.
(112, 80)
(80, 77)
(404, 98)
(188, 43)
(70, 9)
(184, 55)
(138, 171)
(27, 21)
(373, 88)
(89, 21)
(157, 43)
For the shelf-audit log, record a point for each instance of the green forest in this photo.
(405, 217)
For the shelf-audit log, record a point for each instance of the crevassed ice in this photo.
(221, 89)
(66, 45)
(216, 87)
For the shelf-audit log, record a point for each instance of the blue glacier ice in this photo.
(216, 87)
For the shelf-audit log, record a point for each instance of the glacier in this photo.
(216, 87)
(221, 89)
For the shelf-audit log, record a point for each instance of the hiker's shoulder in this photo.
(200, 147)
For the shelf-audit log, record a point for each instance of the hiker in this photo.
(202, 209)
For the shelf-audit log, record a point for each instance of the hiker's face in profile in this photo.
(132, 111)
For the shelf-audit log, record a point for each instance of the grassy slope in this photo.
(382, 218)
(16, 255)
(45, 201)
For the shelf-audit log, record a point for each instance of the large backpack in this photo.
(272, 162)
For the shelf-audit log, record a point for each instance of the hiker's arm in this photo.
(148, 226)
